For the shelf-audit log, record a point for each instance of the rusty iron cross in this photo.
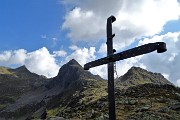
(111, 58)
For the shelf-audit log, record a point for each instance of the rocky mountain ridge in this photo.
(137, 75)
(77, 94)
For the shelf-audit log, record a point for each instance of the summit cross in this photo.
(111, 58)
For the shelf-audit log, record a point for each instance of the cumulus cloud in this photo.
(13, 57)
(39, 61)
(82, 55)
(87, 21)
(42, 62)
(83, 25)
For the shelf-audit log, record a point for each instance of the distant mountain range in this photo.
(77, 94)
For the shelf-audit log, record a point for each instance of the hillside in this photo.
(77, 94)
(16, 82)
(137, 75)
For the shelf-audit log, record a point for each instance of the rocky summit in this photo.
(77, 94)
(137, 75)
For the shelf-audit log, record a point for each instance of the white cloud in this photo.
(60, 53)
(83, 25)
(100, 70)
(39, 61)
(178, 82)
(18, 56)
(103, 48)
(42, 62)
(82, 55)
(166, 75)
(123, 66)
(73, 47)
(87, 21)
(4, 56)
(13, 57)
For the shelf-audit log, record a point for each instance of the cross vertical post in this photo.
(111, 97)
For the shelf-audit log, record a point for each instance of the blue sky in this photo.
(45, 34)
(22, 23)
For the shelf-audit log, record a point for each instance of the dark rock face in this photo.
(176, 106)
(18, 81)
(72, 73)
(13, 86)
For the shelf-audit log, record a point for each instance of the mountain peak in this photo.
(70, 68)
(73, 62)
(21, 68)
(137, 75)
(133, 68)
(71, 73)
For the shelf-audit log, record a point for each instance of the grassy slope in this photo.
(5, 70)
(92, 92)
(154, 102)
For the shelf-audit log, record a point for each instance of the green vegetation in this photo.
(2, 106)
(5, 70)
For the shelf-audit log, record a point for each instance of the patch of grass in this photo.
(94, 93)
(54, 112)
(4, 70)
(2, 106)
(156, 106)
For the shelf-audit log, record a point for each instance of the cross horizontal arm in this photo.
(147, 48)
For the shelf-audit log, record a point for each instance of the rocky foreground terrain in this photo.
(77, 94)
